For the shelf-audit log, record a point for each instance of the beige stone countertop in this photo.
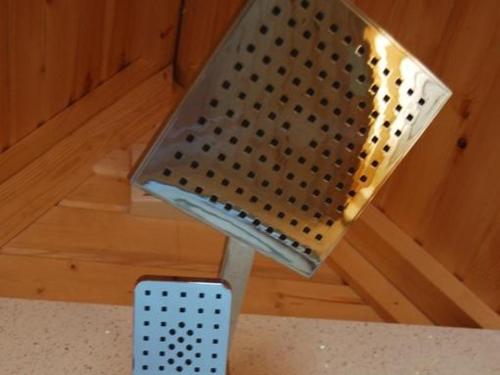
(64, 338)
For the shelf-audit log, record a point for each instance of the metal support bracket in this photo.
(235, 268)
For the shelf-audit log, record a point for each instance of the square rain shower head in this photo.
(301, 114)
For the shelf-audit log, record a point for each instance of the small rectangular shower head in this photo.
(299, 117)
(181, 326)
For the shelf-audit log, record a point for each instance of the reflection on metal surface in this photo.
(303, 112)
(181, 326)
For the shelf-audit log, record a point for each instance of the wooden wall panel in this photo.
(445, 194)
(60, 30)
(4, 77)
(90, 51)
(26, 42)
(204, 23)
(32, 191)
(59, 50)
(155, 29)
(94, 282)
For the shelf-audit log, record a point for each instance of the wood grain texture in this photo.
(435, 291)
(59, 50)
(154, 32)
(116, 164)
(372, 285)
(88, 226)
(113, 237)
(27, 39)
(4, 75)
(91, 282)
(66, 122)
(444, 195)
(204, 23)
(303, 299)
(100, 193)
(79, 281)
(48, 179)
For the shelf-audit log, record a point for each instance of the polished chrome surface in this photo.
(181, 326)
(300, 116)
(236, 267)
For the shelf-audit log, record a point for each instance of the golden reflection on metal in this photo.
(295, 123)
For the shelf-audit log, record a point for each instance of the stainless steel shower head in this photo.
(181, 326)
(301, 114)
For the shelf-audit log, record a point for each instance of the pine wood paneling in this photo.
(61, 19)
(114, 237)
(4, 75)
(426, 282)
(204, 23)
(445, 194)
(115, 164)
(295, 298)
(372, 285)
(66, 122)
(79, 281)
(89, 54)
(100, 193)
(26, 66)
(154, 32)
(59, 50)
(32, 191)
(92, 282)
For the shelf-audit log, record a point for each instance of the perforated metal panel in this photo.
(302, 113)
(181, 327)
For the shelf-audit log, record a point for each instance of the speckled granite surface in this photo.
(59, 338)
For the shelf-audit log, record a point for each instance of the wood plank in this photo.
(100, 193)
(434, 290)
(414, 24)
(305, 299)
(91, 282)
(110, 237)
(483, 274)
(268, 268)
(204, 23)
(4, 75)
(48, 179)
(60, 52)
(66, 122)
(153, 30)
(470, 197)
(116, 164)
(117, 28)
(444, 194)
(80, 281)
(26, 66)
(89, 52)
(368, 282)
(113, 237)
(136, 29)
